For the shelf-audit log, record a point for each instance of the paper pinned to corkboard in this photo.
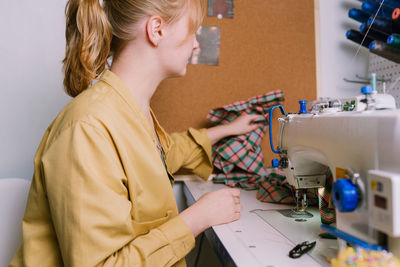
(208, 51)
(220, 8)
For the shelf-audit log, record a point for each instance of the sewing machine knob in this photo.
(275, 163)
(303, 109)
(345, 195)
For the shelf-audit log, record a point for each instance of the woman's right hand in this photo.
(213, 208)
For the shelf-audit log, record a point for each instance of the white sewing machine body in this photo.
(366, 141)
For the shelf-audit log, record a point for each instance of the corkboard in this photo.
(268, 45)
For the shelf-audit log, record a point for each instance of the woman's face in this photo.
(177, 47)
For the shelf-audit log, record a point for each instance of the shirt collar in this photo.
(118, 85)
(162, 135)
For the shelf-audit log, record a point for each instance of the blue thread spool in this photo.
(359, 15)
(389, 3)
(372, 8)
(373, 34)
(358, 37)
(383, 25)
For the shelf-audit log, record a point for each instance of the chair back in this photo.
(13, 196)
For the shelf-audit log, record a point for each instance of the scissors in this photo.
(301, 249)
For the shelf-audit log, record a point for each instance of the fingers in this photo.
(254, 119)
(235, 192)
(236, 200)
(237, 213)
(254, 116)
(251, 118)
(254, 126)
(238, 208)
(236, 196)
(247, 123)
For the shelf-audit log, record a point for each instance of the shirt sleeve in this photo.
(190, 150)
(91, 207)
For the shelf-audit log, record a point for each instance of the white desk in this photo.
(250, 241)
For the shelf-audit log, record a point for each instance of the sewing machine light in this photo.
(345, 195)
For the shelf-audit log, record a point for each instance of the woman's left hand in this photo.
(244, 124)
(241, 125)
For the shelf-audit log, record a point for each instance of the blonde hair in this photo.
(94, 32)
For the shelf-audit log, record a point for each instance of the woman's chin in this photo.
(180, 74)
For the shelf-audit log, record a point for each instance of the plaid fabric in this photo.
(326, 209)
(246, 181)
(242, 153)
(238, 160)
(274, 188)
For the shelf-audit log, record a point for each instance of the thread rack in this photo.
(388, 70)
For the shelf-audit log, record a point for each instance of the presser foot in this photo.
(299, 212)
(296, 214)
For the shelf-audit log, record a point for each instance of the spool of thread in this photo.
(392, 3)
(396, 15)
(394, 41)
(373, 34)
(372, 8)
(383, 25)
(359, 15)
(389, 3)
(382, 49)
(373, 81)
(358, 37)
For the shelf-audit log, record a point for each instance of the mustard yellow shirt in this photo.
(100, 194)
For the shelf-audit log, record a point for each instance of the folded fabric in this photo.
(243, 180)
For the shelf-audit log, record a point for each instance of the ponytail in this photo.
(88, 39)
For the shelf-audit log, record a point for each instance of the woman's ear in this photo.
(155, 30)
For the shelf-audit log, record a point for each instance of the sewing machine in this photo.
(359, 140)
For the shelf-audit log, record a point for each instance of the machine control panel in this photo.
(384, 201)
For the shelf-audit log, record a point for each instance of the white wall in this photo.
(31, 94)
(336, 54)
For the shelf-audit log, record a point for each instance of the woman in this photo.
(101, 192)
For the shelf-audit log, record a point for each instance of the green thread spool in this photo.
(394, 41)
